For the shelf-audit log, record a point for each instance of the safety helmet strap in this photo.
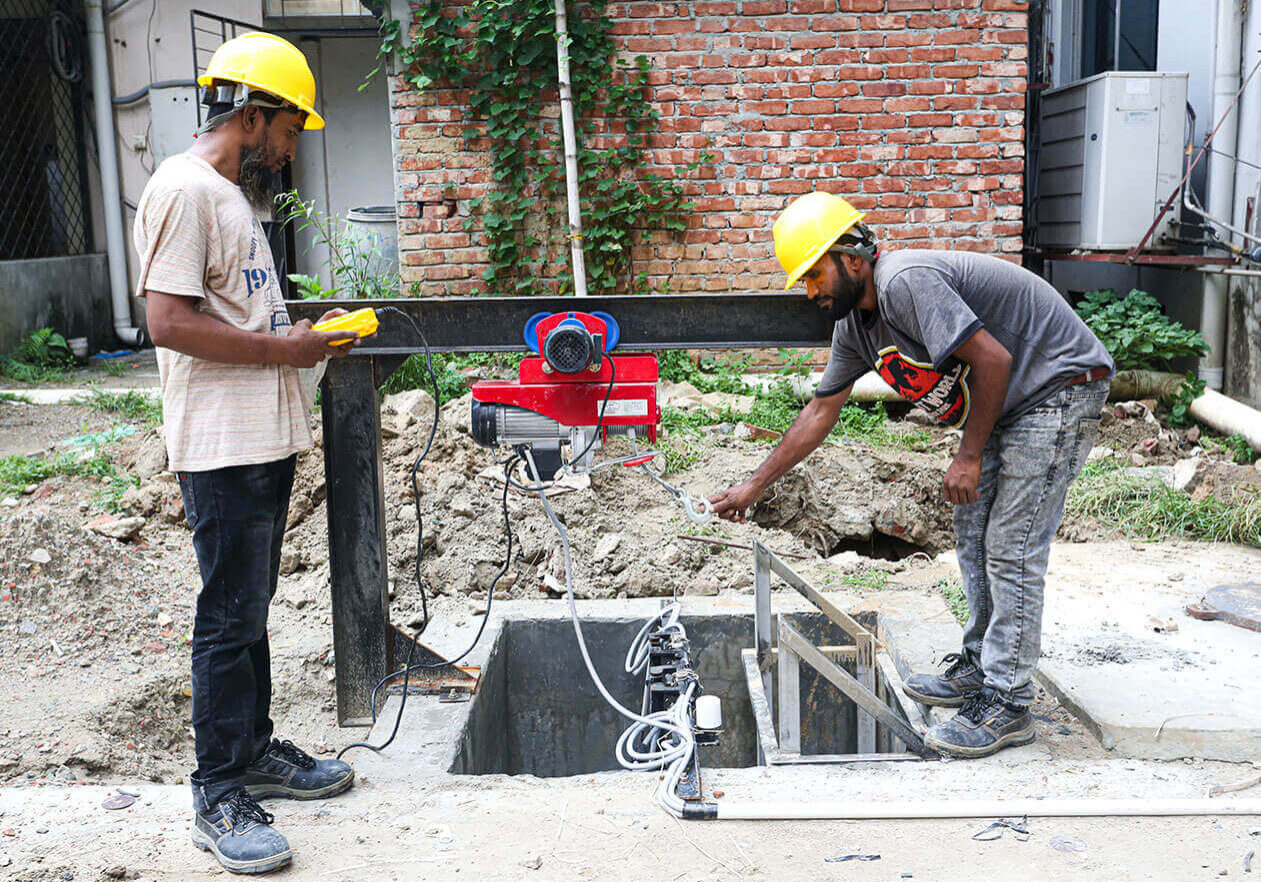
(238, 95)
(858, 241)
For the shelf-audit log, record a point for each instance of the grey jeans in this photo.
(1004, 538)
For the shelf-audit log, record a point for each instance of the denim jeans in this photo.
(238, 519)
(1004, 538)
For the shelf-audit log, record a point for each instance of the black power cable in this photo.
(408, 667)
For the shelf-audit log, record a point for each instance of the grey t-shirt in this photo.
(930, 302)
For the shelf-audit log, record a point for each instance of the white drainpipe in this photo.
(1221, 182)
(115, 243)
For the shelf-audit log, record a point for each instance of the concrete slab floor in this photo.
(1144, 693)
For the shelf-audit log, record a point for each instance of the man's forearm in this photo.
(806, 433)
(988, 392)
(201, 336)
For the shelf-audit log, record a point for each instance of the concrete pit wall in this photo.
(537, 712)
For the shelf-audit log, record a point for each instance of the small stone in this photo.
(606, 546)
(533, 863)
(40, 556)
(1193, 434)
(41, 829)
(118, 871)
(121, 529)
(164, 620)
(290, 559)
(9, 502)
(702, 588)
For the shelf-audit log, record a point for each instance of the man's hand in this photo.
(730, 504)
(961, 480)
(307, 348)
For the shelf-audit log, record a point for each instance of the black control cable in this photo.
(414, 642)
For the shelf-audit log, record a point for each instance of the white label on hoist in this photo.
(626, 407)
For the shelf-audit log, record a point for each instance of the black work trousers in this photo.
(237, 515)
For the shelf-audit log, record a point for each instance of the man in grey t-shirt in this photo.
(982, 344)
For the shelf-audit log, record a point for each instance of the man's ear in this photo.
(853, 263)
(251, 118)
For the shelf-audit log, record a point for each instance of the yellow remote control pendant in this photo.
(362, 321)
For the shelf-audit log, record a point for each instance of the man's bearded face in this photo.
(842, 294)
(260, 166)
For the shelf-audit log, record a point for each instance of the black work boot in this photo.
(984, 725)
(239, 834)
(962, 680)
(286, 771)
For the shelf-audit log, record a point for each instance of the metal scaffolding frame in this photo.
(783, 649)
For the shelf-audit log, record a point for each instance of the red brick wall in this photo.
(912, 109)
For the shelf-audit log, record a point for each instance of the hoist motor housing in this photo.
(560, 391)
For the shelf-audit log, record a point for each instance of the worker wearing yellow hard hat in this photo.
(978, 342)
(236, 391)
(263, 63)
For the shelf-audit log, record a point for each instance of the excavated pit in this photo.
(538, 713)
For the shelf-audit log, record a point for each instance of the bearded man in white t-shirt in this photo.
(235, 419)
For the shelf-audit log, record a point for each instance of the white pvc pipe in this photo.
(571, 152)
(115, 244)
(1221, 182)
(840, 810)
(1228, 416)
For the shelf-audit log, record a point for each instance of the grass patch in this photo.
(22, 372)
(1236, 447)
(682, 448)
(1145, 508)
(951, 590)
(869, 578)
(17, 472)
(131, 405)
(41, 356)
(15, 396)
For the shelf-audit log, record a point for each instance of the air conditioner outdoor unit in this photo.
(1110, 155)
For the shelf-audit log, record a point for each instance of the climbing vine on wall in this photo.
(504, 53)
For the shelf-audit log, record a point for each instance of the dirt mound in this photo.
(152, 723)
(1130, 430)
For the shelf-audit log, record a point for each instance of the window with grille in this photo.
(43, 195)
(356, 14)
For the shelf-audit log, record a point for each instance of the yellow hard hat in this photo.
(807, 228)
(269, 64)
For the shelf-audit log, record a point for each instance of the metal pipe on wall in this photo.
(1221, 181)
(115, 242)
(571, 152)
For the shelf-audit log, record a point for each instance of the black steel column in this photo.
(356, 533)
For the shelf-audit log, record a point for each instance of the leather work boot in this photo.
(962, 680)
(240, 836)
(984, 725)
(286, 771)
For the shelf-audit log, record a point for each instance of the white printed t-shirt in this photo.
(198, 237)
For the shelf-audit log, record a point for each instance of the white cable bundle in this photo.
(674, 722)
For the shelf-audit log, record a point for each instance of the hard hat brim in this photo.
(313, 120)
(813, 257)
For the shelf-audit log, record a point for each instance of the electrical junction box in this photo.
(1111, 153)
(173, 116)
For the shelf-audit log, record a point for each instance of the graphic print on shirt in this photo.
(943, 395)
(263, 279)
